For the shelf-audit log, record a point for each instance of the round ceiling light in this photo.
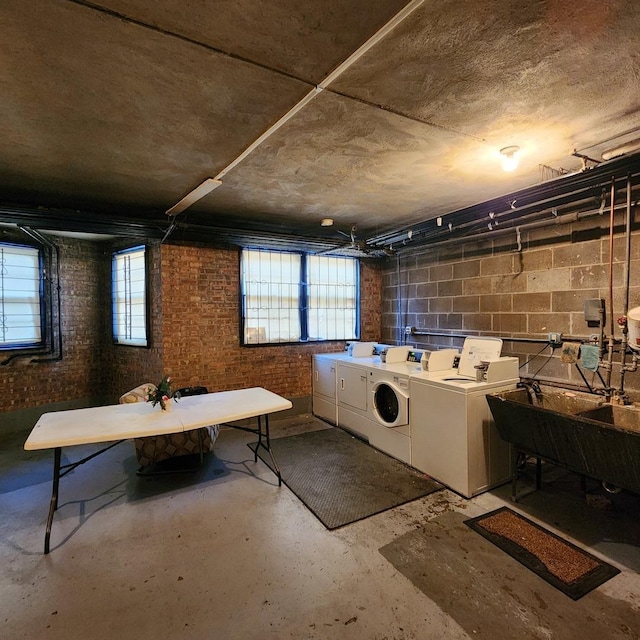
(510, 157)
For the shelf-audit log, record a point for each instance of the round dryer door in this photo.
(390, 405)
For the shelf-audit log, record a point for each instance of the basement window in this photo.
(293, 297)
(129, 297)
(21, 297)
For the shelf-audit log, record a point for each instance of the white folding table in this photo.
(138, 420)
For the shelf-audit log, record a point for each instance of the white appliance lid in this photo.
(475, 351)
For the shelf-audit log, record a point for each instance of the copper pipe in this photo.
(611, 320)
(627, 274)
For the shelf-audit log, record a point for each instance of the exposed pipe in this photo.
(625, 321)
(38, 237)
(399, 300)
(627, 247)
(559, 193)
(567, 218)
(441, 334)
(627, 147)
(609, 366)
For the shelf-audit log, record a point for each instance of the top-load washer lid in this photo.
(475, 351)
(361, 349)
(397, 354)
(441, 360)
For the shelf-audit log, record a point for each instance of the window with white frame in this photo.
(129, 297)
(292, 297)
(21, 303)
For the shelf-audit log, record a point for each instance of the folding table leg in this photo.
(268, 447)
(53, 505)
(260, 443)
(201, 443)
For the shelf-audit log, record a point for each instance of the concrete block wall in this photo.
(505, 288)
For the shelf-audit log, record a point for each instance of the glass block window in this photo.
(291, 297)
(129, 297)
(21, 303)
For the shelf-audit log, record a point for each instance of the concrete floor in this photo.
(224, 553)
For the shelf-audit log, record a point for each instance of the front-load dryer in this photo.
(390, 399)
(389, 411)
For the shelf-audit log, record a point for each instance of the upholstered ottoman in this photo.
(154, 449)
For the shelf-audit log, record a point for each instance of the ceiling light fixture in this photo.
(326, 222)
(193, 196)
(510, 157)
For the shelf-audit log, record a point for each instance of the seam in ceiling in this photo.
(172, 34)
(191, 197)
(324, 83)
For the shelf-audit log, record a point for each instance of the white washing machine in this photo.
(453, 436)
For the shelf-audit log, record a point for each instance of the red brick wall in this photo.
(201, 326)
(25, 384)
(194, 331)
(127, 367)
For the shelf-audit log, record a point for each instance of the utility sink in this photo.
(572, 429)
(624, 417)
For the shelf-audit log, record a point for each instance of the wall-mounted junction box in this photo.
(594, 312)
(555, 338)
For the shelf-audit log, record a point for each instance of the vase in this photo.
(168, 404)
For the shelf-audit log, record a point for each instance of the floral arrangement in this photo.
(161, 394)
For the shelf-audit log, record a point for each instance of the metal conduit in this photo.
(627, 275)
(567, 218)
(546, 195)
(440, 334)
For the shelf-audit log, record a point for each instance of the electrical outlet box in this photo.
(408, 331)
(555, 339)
(594, 312)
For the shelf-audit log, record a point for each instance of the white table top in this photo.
(137, 420)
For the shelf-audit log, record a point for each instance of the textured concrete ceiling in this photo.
(121, 107)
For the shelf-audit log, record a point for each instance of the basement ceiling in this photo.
(113, 111)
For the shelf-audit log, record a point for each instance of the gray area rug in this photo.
(341, 479)
(492, 596)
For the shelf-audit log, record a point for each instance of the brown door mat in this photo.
(562, 564)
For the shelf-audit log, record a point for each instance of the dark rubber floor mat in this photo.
(342, 479)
